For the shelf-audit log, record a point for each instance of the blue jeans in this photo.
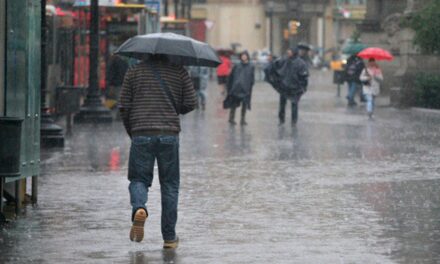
(370, 102)
(201, 95)
(143, 153)
(352, 89)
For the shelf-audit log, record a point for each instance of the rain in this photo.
(337, 185)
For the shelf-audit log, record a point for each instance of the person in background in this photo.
(116, 70)
(294, 76)
(270, 59)
(223, 71)
(200, 76)
(239, 88)
(371, 78)
(302, 51)
(353, 70)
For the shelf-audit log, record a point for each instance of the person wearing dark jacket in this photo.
(239, 88)
(353, 70)
(154, 94)
(115, 76)
(293, 72)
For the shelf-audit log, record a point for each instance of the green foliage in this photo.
(426, 24)
(428, 90)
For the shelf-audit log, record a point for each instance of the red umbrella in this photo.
(375, 53)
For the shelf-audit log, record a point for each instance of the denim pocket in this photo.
(169, 140)
(142, 140)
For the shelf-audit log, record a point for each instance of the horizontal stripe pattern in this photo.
(144, 104)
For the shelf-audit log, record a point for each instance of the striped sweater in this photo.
(144, 105)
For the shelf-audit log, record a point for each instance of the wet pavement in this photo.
(337, 188)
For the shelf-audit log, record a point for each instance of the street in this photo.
(337, 188)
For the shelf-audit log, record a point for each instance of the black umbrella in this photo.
(177, 48)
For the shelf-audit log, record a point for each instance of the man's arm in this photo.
(125, 102)
(303, 75)
(230, 80)
(189, 98)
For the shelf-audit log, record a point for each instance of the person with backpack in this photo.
(353, 70)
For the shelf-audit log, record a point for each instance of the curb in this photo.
(425, 110)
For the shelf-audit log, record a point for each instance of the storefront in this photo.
(20, 47)
(119, 22)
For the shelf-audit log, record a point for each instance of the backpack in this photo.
(352, 70)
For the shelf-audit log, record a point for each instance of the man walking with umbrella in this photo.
(154, 93)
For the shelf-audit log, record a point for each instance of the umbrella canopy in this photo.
(354, 48)
(177, 48)
(376, 53)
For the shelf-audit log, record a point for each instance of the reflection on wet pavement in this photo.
(336, 188)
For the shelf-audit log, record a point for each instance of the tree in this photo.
(426, 24)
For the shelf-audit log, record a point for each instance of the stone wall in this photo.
(383, 28)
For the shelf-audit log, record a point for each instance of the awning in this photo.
(108, 3)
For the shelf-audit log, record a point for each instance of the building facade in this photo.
(240, 23)
(324, 24)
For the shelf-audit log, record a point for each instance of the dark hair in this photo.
(245, 53)
(293, 50)
(371, 60)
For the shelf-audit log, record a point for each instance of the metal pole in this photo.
(93, 110)
(54, 39)
(183, 9)
(271, 31)
(51, 135)
(176, 8)
(189, 8)
(270, 8)
(2, 180)
(34, 189)
(94, 49)
(165, 7)
(43, 53)
(17, 197)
